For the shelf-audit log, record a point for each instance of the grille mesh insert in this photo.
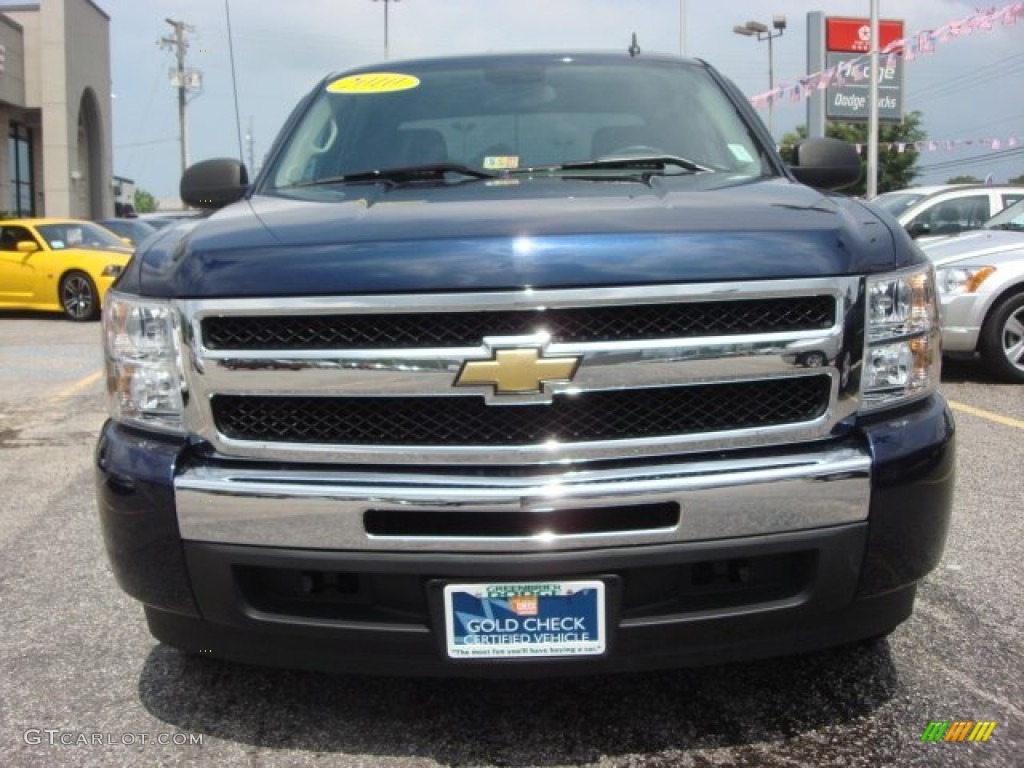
(467, 329)
(468, 420)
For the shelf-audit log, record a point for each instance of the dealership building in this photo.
(55, 102)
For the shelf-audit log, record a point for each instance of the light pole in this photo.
(763, 32)
(871, 183)
(682, 27)
(386, 44)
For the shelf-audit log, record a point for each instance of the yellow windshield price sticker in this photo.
(374, 82)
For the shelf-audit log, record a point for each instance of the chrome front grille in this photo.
(565, 325)
(662, 370)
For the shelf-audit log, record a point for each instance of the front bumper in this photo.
(625, 505)
(962, 318)
(771, 553)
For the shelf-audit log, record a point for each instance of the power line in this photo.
(988, 155)
(145, 143)
(990, 123)
(987, 69)
(1006, 65)
(935, 96)
(985, 159)
(145, 117)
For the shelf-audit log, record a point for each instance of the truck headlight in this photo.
(142, 348)
(954, 281)
(902, 344)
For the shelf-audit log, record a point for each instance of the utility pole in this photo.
(181, 78)
(387, 44)
(250, 141)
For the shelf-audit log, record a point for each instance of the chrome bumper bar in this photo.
(717, 499)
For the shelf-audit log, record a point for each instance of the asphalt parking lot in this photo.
(85, 684)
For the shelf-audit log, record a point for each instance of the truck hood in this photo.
(509, 234)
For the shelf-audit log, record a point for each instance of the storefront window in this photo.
(19, 164)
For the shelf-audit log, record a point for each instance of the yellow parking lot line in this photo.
(998, 419)
(82, 383)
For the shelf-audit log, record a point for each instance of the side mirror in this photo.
(214, 183)
(825, 163)
(27, 246)
(918, 228)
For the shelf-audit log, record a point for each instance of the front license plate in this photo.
(522, 620)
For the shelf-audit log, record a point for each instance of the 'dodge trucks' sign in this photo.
(849, 40)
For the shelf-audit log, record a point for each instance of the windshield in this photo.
(897, 202)
(131, 228)
(1009, 218)
(79, 234)
(509, 114)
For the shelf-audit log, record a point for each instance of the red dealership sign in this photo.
(854, 35)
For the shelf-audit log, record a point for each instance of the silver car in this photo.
(981, 288)
(939, 211)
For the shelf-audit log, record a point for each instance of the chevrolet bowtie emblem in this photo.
(517, 371)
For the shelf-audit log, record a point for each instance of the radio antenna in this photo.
(234, 84)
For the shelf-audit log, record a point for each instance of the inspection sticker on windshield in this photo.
(501, 162)
(374, 82)
(511, 620)
(740, 153)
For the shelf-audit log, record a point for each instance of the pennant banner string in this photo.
(948, 145)
(917, 44)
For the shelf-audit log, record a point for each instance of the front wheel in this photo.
(78, 297)
(1002, 339)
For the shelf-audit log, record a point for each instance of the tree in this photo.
(1016, 179)
(145, 202)
(964, 180)
(896, 170)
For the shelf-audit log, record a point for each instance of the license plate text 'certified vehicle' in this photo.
(522, 620)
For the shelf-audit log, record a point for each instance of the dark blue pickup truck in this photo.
(531, 364)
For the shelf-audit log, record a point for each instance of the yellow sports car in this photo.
(58, 264)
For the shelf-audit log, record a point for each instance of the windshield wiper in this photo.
(398, 175)
(638, 163)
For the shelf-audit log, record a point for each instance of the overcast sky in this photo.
(969, 88)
